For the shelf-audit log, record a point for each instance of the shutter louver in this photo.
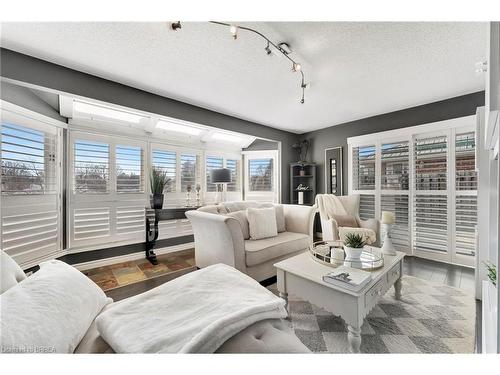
(234, 167)
(130, 219)
(91, 223)
(129, 169)
(395, 166)
(367, 206)
(189, 171)
(465, 154)
(465, 224)
(400, 234)
(430, 223)
(260, 174)
(430, 163)
(91, 167)
(363, 166)
(166, 161)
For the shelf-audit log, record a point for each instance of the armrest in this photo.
(218, 239)
(299, 219)
(329, 229)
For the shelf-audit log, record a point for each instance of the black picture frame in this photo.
(334, 171)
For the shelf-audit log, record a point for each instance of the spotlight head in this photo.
(176, 25)
(302, 101)
(296, 67)
(234, 30)
(268, 50)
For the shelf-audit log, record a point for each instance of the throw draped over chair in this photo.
(330, 205)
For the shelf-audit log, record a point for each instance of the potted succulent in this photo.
(158, 180)
(353, 246)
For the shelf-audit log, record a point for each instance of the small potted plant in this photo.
(492, 272)
(158, 180)
(353, 246)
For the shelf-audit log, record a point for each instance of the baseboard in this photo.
(130, 257)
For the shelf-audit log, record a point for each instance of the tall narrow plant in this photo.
(158, 180)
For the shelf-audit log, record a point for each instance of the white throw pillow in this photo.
(280, 215)
(50, 311)
(241, 216)
(10, 272)
(262, 222)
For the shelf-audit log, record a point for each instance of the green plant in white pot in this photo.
(353, 246)
(492, 272)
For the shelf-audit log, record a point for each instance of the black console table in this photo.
(153, 216)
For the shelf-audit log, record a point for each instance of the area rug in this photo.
(430, 318)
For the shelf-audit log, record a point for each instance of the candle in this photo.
(388, 217)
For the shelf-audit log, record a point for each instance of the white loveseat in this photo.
(219, 238)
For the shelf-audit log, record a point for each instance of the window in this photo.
(363, 168)
(367, 206)
(465, 153)
(395, 165)
(189, 169)
(234, 167)
(129, 170)
(28, 160)
(91, 167)
(399, 204)
(430, 163)
(430, 223)
(212, 163)
(167, 162)
(260, 174)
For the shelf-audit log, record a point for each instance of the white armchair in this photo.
(329, 225)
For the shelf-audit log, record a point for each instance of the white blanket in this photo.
(195, 313)
(328, 205)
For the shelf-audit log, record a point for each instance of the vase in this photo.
(302, 172)
(388, 247)
(188, 199)
(156, 201)
(352, 254)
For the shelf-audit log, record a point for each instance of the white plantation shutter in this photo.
(212, 163)
(189, 171)
(430, 223)
(167, 162)
(367, 206)
(400, 234)
(395, 166)
(129, 169)
(91, 167)
(130, 219)
(465, 154)
(234, 167)
(363, 168)
(90, 223)
(260, 174)
(430, 163)
(465, 224)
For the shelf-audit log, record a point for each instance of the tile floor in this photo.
(126, 273)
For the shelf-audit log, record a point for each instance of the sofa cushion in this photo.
(241, 216)
(260, 251)
(262, 222)
(346, 221)
(10, 272)
(211, 209)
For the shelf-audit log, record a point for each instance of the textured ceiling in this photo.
(355, 70)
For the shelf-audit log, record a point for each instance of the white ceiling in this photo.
(356, 70)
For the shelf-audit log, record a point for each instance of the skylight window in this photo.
(106, 112)
(178, 128)
(227, 137)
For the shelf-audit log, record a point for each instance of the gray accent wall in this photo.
(29, 70)
(337, 135)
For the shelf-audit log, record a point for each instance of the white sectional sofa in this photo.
(219, 238)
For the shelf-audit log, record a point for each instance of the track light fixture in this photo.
(176, 25)
(283, 48)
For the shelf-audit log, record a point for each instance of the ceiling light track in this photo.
(296, 67)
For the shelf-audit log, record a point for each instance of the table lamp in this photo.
(220, 177)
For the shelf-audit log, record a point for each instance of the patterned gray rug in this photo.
(430, 318)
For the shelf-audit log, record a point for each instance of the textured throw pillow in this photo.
(280, 218)
(262, 222)
(49, 311)
(241, 216)
(346, 221)
(10, 272)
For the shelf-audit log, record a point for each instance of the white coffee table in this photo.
(302, 276)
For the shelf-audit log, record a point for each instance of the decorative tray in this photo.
(331, 253)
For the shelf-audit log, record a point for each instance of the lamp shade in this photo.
(221, 175)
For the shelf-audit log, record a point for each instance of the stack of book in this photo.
(349, 278)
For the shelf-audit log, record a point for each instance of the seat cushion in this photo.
(260, 251)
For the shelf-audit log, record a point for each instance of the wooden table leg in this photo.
(354, 338)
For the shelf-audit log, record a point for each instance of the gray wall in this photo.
(27, 69)
(337, 135)
(26, 98)
(261, 144)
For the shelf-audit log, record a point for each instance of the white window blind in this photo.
(465, 224)
(465, 154)
(130, 219)
(430, 163)
(212, 163)
(91, 167)
(260, 174)
(234, 167)
(367, 206)
(28, 160)
(167, 162)
(400, 234)
(129, 169)
(395, 166)
(363, 168)
(189, 171)
(90, 223)
(430, 223)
